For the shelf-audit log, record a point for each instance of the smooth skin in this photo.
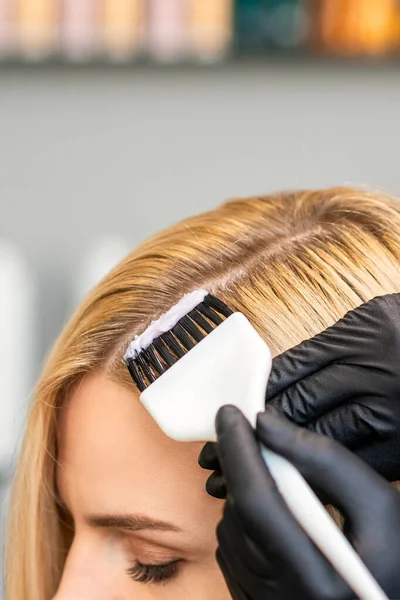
(132, 494)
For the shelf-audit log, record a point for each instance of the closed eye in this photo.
(156, 573)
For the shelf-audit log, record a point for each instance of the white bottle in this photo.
(100, 258)
(18, 303)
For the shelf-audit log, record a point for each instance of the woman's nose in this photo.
(75, 586)
(78, 588)
(90, 573)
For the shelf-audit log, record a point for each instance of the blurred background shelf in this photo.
(268, 59)
(196, 31)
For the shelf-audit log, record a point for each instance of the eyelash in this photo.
(153, 573)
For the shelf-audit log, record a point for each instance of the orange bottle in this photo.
(359, 27)
(210, 28)
(122, 28)
(37, 27)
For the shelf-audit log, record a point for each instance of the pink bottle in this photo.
(79, 28)
(167, 30)
(5, 28)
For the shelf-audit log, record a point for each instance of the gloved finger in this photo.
(237, 576)
(372, 454)
(344, 338)
(318, 393)
(264, 514)
(246, 475)
(244, 552)
(263, 566)
(353, 424)
(208, 457)
(216, 485)
(305, 359)
(343, 478)
(231, 579)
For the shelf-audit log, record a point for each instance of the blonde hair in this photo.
(293, 263)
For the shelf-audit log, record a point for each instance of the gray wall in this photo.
(89, 151)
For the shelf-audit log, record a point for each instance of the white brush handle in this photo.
(234, 362)
(321, 528)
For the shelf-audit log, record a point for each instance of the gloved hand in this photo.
(345, 383)
(263, 552)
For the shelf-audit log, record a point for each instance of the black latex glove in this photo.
(344, 383)
(263, 552)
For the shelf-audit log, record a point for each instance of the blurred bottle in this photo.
(6, 28)
(167, 30)
(37, 27)
(79, 28)
(210, 28)
(17, 349)
(100, 258)
(377, 22)
(122, 26)
(266, 24)
(359, 27)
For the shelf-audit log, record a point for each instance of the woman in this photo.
(104, 506)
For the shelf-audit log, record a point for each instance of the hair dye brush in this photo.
(199, 356)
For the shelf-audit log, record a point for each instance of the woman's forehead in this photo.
(106, 420)
(113, 458)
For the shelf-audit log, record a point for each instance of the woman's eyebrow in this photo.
(130, 522)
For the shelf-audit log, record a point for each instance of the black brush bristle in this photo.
(143, 363)
(150, 363)
(136, 374)
(198, 318)
(191, 327)
(151, 356)
(172, 343)
(179, 332)
(208, 312)
(217, 305)
(164, 353)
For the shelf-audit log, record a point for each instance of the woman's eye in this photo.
(153, 573)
